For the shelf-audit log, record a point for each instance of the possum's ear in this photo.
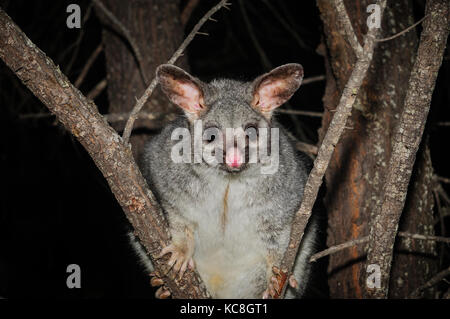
(272, 89)
(182, 89)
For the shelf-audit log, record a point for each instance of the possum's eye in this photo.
(211, 134)
(251, 131)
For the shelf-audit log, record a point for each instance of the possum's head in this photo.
(235, 116)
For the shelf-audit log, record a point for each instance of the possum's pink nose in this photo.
(233, 157)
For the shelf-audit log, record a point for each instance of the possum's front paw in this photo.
(276, 283)
(181, 256)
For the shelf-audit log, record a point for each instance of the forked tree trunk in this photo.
(356, 173)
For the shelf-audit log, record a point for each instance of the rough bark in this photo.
(406, 140)
(354, 177)
(112, 157)
(156, 29)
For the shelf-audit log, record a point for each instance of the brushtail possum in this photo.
(230, 216)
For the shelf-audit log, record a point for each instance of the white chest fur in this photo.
(229, 253)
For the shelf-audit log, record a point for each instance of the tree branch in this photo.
(347, 27)
(299, 112)
(110, 154)
(403, 31)
(97, 89)
(330, 140)
(88, 65)
(430, 283)
(334, 249)
(406, 140)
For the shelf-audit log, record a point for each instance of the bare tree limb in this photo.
(120, 117)
(105, 146)
(365, 239)
(330, 140)
(430, 283)
(313, 79)
(424, 237)
(98, 88)
(404, 31)
(307, 148)
(334, 249)
(299, 112)
(149, 90)
(441, 179)
(406, 140)
(88, 65)
(347, 27)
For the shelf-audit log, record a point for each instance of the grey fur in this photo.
(235, 258)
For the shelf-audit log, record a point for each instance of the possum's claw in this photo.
(163, 292)
(276, 284)
(180, 259)
(156, 282)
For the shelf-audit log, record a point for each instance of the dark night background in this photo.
(56, 208)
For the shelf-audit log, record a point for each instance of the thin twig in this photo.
(313, 79)
(110, 117)
(442, 179)
(330, 140)
(148, 92)
(424, 237)
(358, 241)
(347, 27)
(440, 190)
(88, 65)
(443, 124)
(336, 248)
(444, 213)
(404, 31)
(119, 117)
(98, 88)
(33, 116)
(298, 112)
(430, 283)
(307, 148)
(126, 33)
